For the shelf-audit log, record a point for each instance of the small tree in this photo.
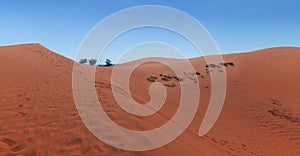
(92, 61)
(108, 62)
(83, 61)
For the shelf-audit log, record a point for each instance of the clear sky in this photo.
(236, 25)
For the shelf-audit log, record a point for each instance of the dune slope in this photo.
(261, 114)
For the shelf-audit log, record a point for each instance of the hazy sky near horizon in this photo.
(236, 26)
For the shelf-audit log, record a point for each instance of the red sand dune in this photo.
(261, 114)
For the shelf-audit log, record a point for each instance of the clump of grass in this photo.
(211, 65)
(223, 64)
(152, 79)
(227, 64)
(230, 63)
(168, 76)
(179, 79)
(170, 85)
(165, 79)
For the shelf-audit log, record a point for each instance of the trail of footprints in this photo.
(51, 57)
(279, 122)
(13, 146)
(233, 148)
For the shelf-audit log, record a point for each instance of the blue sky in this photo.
(236, 26)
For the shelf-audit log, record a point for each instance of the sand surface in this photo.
(261, 114)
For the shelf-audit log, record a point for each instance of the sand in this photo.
(261, 114)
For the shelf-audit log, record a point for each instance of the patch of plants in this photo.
(152, 79)
(170, 85)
